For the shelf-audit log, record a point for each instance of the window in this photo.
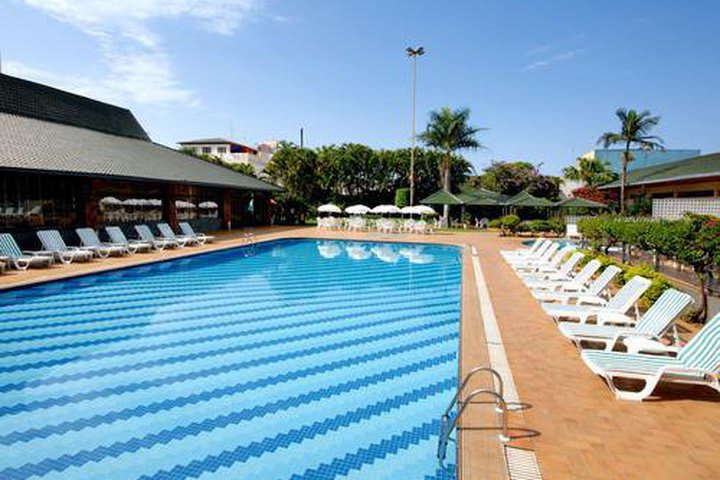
(221, 149)
(206, 149)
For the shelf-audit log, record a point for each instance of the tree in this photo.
(244, 168)
(510, 178)
(593, 172)
(634, 132)
(449, 132)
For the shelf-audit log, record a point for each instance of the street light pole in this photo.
(413, 53)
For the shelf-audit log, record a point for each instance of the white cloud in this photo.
(138, 68)
(561, 57)
(539, 49)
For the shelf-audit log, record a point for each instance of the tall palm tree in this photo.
(448, 131)
(592, 172)
(634, 132)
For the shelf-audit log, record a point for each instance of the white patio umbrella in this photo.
(183, 204)
(132, 202)
(154, 202)
(357, 209)
(329, 208)
(110, 201)
(208, 205)
(385, 209)
(423, 210)
(408, 210)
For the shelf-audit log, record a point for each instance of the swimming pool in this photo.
(293, 359)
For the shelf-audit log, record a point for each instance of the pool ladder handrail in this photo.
(447, 427)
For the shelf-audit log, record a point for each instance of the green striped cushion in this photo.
(8, 246)
(703, 350)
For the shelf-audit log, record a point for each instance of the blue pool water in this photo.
(287, 360)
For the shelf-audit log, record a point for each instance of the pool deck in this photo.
(584, 432)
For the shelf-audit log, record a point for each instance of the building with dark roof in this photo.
(68, 160)
(694, 177)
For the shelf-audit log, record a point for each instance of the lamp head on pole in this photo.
(414, 52)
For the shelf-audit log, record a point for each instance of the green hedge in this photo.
(693, 240)
(554, 225)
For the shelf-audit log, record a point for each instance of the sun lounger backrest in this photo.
(88, 237)
(166, 231)
(187, 229)
(570, 264)
(660, 316)
(557, 257)
(52, 240)
(145, 233)
(116, 235)
(544, 245)
(587, 271)
(601, 282)
(703, 350)
(551, 250)
(629, 294)
(8, 246)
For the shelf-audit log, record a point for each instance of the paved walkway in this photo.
(584, 432)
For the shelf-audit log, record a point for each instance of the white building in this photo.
(233, 152)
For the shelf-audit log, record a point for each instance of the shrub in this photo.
(509, 224)
(402, 197)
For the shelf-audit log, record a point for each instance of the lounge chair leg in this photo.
(650, 384)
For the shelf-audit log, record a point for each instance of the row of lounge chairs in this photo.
(56, 250)
(585, 312)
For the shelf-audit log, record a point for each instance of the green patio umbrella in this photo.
(524, 199)
(442, 197)
(579, 202)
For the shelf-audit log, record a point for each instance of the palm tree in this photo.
(634, 131)
(593, 172)
(449, 132)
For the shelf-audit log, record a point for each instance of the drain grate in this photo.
(522, 464)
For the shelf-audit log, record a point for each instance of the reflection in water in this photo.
(329, 249)
(357, 251)
(386, 253)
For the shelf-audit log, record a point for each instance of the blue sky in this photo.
(544, 77)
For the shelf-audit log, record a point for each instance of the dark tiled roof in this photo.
(696, 167)
(207, 140)
(36, 145)
(29, 99)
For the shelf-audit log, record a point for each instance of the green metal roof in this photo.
(524, 199)
(579, 202)
(442, 197)
(696, 167)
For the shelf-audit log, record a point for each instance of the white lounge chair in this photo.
(523, 250)
(23, 260)
(576, 283)
(535, 254)
(614, 312)
(90, 239)
(167, 233)
(653, 323)
(542, 254)
(54, 243)
(158, 243)
(590, 296)
(188, 231)
(551, 265)
(696, 363)
(563, 272)
(118, 238)
(534, 263)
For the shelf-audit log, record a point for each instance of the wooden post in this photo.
(169, 208)
(227, 209)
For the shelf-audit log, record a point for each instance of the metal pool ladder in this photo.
(449, 425)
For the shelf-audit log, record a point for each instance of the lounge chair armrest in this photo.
(619, 338)
(614, 318)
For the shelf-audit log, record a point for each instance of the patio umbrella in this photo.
(408, 211)
(155, 202)
(132, 202)
(110, 201)
(183, 204)
(579, 202)
(423, 210)
(357, 209)
(209, 205)
(385, 209)
(329, 208)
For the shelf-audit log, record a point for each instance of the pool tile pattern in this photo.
(292, 359)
